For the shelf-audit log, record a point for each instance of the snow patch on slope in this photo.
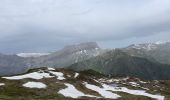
(60, 75)
(51, 69)
(76, 75)
(133, 92)
(134, 84)
(34, 75)
(72, 92)
(102, 91)
(2, 84)
(39, 75)
(38, 85)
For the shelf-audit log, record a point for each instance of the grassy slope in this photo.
(14, 90)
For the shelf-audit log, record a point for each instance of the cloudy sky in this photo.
(48, 25)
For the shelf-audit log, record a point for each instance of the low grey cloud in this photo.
(44, 25)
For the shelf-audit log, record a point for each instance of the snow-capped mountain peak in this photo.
(149, 46)
(161, 42)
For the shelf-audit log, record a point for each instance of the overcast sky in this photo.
(48, 25)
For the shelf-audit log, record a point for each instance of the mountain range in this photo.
(22, 62)
(119, 63)
(147, 61)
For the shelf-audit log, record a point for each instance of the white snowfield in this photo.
(25, 55)
(1, 84)
(34, 75)
(72, 92)
(76, 75)
(102, 91)
(133, 92)
(38, 85)
(60, 75)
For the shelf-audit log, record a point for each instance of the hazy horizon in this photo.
(102, 46)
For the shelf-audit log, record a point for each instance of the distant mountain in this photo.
(15, 64)
(12, 64)
(68, 55)
(119, 63)
(159, 51)
(142, 60)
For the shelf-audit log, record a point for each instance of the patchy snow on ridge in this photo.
(39, 75)
(72, 92)
(25, 55)
(134, 84)
(76, 75)
(133, 92)
(102, 91)
(38, 85)
(60, 75)
(106, 88)
(1, 84)
(34, 75)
